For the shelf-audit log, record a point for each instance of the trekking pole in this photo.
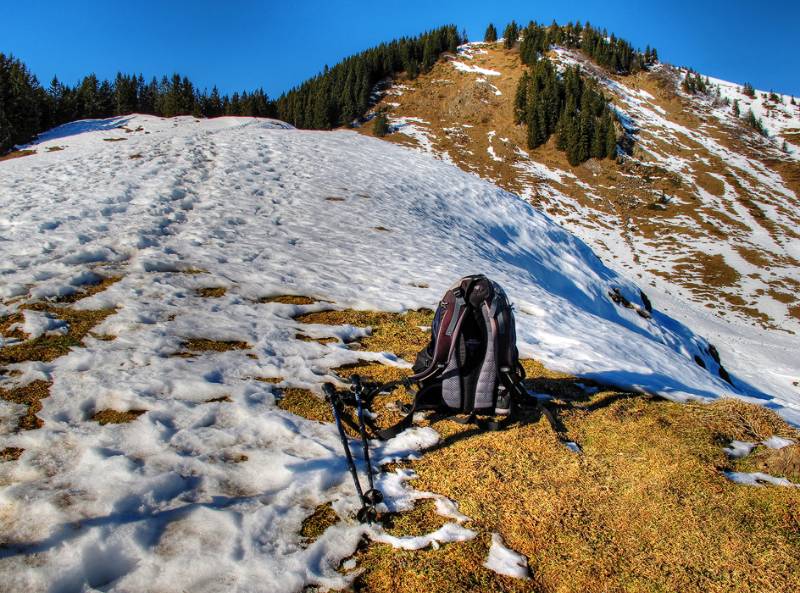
(372, 496)
(336, 403)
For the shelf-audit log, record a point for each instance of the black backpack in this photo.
(471, 364)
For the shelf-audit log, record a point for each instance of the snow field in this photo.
(210, 496)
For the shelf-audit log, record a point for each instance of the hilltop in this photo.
(703, 210)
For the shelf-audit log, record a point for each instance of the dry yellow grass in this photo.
(49, 347)
(392, 332)
(304, 403)
(212, 292)
(116, 417)
(645, 507)
(90, 289)
(288, 299)
(17, 154)
(305, 338)
(30, 395)
(195, 345)
(317, 522)
(11, 453)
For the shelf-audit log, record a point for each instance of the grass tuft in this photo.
(304, 403)
(212, 292)
(391, 332)
(89, 289)
(194, 345)
(49, 347)
(288, 299)
(317, 522)
(116, 417)
(30, 395)
(11, 453)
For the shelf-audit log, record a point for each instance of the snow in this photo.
(496, 90)
(449, 532)
(211, 495)
(776, 442)
(737, 449)
(505, 561)
(490, 149)
(757, 479)
(462, 67)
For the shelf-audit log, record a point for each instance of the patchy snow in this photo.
(758, 479)
(418, 129)
(490, 149)
(449, 532)
(482, 80)
(462, 67)
(505, 561)
(448, 508)
(776, 442)
(208, 495)
(737, 449)
(777, 116)
(37, 324)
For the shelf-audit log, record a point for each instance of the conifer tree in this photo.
(491, 34)
(510, 35)
(735, 108)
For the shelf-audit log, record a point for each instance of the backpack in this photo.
(471, 364)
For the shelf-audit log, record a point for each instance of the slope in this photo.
(704, 212)
(185, 233)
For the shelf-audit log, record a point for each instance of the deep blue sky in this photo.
(243, 44)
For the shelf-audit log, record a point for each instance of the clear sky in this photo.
(244, 44)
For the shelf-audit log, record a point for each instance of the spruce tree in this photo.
(510, 35)
(735, 108)
(491, 34)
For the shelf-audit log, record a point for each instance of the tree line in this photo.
(570, 106)
(340, 95)
(609, 51)
(27, 108)
(337, 96)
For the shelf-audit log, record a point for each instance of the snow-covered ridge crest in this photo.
(260, 209)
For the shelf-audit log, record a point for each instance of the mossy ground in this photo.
(645, 507)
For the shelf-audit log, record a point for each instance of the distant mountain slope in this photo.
(705, 208)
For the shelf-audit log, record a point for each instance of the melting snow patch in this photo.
(38, 323)
(776, 442)
(739, 449)
(448, 508)
(757, 479)
(449, 532)
(475, 69)
(505, 561)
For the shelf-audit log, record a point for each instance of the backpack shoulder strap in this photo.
(454, 307)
